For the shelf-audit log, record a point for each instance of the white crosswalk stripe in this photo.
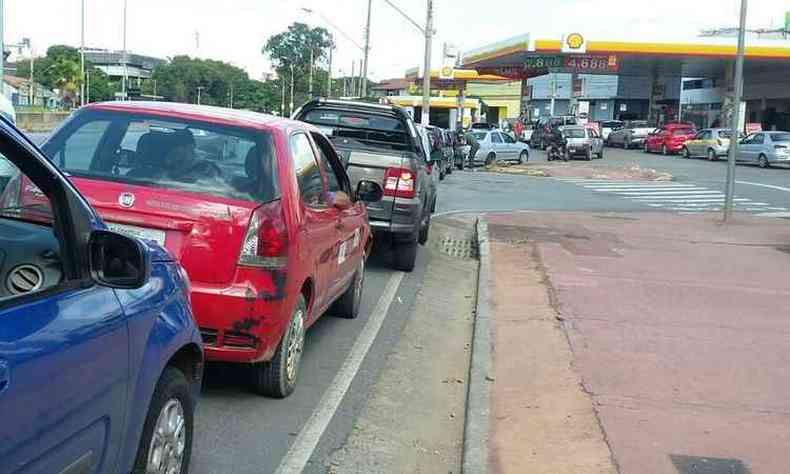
(686, 198)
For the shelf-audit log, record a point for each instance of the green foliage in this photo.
(178, 81)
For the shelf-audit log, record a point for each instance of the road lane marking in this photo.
(769, 186)
(673, 199)
(303, 446)
(664, 193)
(618, 190)
(679, 196)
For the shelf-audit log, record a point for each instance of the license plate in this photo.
(144, 233)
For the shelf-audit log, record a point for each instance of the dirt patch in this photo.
(572, 169)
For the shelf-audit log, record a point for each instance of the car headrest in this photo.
(153, 147)
(253, 164)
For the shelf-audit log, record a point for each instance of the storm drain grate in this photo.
(704, 465)
(458, 248)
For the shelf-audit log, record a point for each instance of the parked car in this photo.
(608, 126)
(100, 358)
(438, 156)
(631, 135)
(765, 149)
(541, 135)
(582, 141)
(498, 146)
(710, 143)
(258, 210)
(670, 138)
(380, 143)
(433, 171)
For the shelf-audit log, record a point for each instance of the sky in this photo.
(235, 30)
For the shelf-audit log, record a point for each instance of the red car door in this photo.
(352, 230)
(318, 228)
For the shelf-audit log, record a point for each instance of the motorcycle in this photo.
(557, 153)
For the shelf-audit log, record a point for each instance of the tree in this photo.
(291, 52)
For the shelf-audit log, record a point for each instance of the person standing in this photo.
(474, 145)
(518, 130)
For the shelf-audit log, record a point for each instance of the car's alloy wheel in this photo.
(277, 377)
(762, 162)
(295, 346)
(166, 441)
(523, 157)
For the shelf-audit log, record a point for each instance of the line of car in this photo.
(204, 234)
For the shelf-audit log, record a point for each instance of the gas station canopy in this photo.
(522, 57)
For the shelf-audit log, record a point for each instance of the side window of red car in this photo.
(308, 173)
(333, 168)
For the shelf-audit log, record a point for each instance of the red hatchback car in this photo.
(257, 209)
(669, 138)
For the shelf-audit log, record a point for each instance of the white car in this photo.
(498, 146)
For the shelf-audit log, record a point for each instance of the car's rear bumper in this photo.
(405, 218)
(243, 321)
(785, 159)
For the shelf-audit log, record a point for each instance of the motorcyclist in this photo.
(557, 144)
(474, 145)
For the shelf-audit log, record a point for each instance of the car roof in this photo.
(206, 113)
(573, 127)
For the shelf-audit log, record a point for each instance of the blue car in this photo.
(100, 358)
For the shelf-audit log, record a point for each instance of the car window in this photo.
(371, 129)
(780, 137)
(758, 139)
(333, 180)
(480, 136)
(508, 138)
(30, 253)
(706, 135)
(724, 134)
(168, 153)
(496, 138)
(308, 173)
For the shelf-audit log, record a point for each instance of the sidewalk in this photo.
(673, 353)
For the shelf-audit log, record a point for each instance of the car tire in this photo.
(686, 154)
(347, 306)
(277, 377)
(589, 155)
(523, 157)
(600, 155)
(441, 173)
(424, 231)
(404, 255)
(762, 162)
(172, 398)
(664, 150)
(490, 159)
(712, 155)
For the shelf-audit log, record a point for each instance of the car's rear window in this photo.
(724, 134)
(170, 153)
(682, 131)
(574, 133)
(780, 137)
(367, 128)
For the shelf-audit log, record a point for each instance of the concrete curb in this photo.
(478, 400)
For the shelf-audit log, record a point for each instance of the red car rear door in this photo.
(352, 222)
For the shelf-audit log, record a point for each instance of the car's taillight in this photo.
(266, 241)
(399, 182)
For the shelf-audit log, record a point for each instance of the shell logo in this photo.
(574, 40)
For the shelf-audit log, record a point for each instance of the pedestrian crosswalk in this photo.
(680, 197)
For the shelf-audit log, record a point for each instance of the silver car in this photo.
(765, 149)
(631, 135)
(582, 141)
(499, 146)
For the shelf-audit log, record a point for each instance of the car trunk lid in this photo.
(195, 229)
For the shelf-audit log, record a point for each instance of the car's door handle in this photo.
(5, 376)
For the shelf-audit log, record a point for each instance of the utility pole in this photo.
(329, 73)
(736, 115)
(82, 57)
(360, 80)
(2, 48)
(199, 90)
(282, 104)
(364, 91)
(310, 74)
(291, 110)
(88, 85)
(125, 67)
(426, 79)
(231, 96)
(32, 87)
(353, 76)
(553, 93)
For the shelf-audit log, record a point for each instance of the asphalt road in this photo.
(240, 432)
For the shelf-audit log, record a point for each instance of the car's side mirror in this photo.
(118, 261)
(369, 191)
